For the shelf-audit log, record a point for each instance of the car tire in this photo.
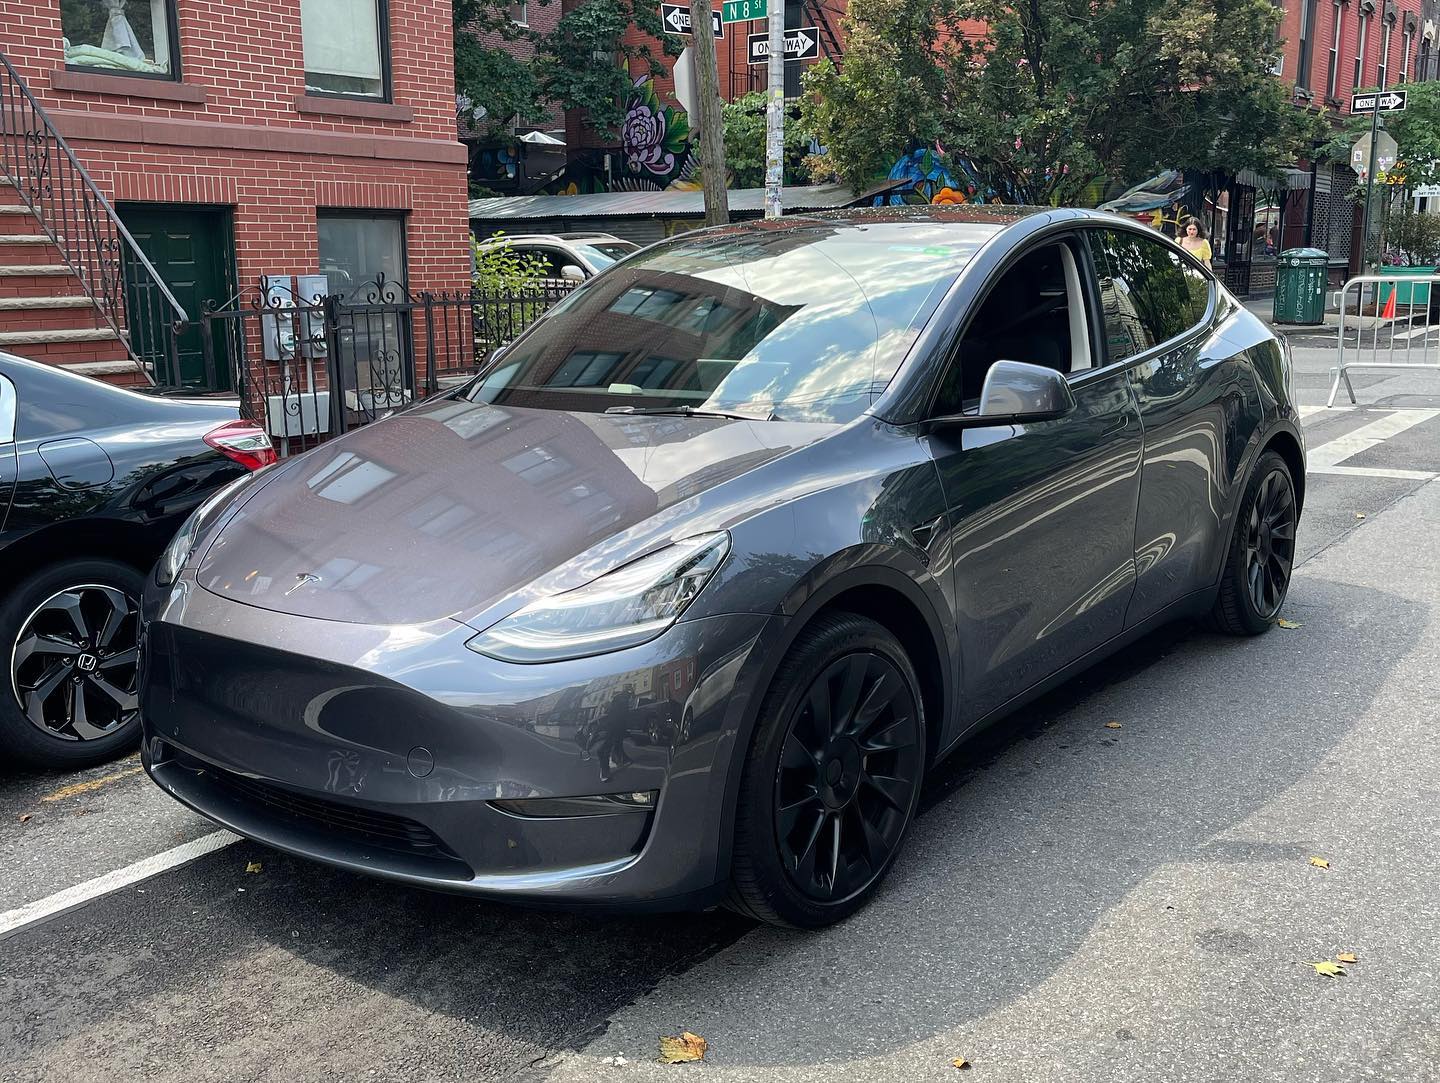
(815, 832)
(94, 651)
(1261, 556)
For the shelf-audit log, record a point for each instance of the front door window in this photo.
(363, 259)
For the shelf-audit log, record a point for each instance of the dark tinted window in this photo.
(802, 323)
(1148, 292)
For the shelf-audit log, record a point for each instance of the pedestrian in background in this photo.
(1192, 239)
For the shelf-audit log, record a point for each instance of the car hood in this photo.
(448, 508)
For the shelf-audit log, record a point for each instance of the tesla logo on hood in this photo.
(301, 580)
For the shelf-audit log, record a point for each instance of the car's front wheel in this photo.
(70, 641)
(832, 778)
(1262, 551)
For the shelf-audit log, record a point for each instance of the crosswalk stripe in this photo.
(1334, 452)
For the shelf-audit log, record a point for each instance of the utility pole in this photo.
(775, 111)
(712, 128)
(1374, 147)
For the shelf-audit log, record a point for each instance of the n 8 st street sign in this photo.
(739, 11)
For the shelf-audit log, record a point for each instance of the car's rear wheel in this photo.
(832, 777)
(1262, 551)
(69, 636)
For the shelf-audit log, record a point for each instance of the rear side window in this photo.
(1149, 293)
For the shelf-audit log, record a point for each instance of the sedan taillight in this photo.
(243, 441)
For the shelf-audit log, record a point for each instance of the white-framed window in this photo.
(1361, 34)
(346, 47)
(1382, 72)
(124, 37)
(1332, 70)
(1407, 43)
(520, 12)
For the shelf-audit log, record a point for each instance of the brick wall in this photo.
(1345, 30)
(238, 129)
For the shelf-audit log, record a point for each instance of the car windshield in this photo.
(804, 322)
(603, 253)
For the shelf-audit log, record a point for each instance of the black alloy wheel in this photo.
(71, 636)
(850, 766)
(832, 778)
(1270, 543)
(1261, 556)
(74, 665)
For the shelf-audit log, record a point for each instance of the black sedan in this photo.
(94, 480)
(679, 600)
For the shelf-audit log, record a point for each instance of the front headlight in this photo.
(627, 607)
(167, 569)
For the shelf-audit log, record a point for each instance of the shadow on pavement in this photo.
(1028, 837)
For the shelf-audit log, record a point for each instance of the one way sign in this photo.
(676, 18)
(801, 43)
(1390, 99)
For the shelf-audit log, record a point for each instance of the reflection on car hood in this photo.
(450, 507)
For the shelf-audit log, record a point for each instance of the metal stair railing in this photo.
(127, 291)
(829, 40)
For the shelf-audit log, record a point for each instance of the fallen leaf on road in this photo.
(1112, 725)
(1347, 957)
(24, 816)
(615, 1062)
(1288, 623)
(253, 866)
(1329, 969)
(681, 1050)
(1359, 515)
(1319, 862)
(961, 1063)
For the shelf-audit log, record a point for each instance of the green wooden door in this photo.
(187, 247)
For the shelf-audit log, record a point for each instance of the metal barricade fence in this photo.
(1411, 339)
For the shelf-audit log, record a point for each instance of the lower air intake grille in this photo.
(379, 829)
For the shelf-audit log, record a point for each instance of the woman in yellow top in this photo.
(1192, 239)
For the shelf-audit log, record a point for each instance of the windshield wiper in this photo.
(687, 411)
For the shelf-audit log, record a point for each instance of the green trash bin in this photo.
(1301, 275)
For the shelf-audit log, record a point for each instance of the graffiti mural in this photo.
(1158, 200)
(931, 180)
(656, 151)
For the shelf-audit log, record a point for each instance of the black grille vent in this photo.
(363, 825)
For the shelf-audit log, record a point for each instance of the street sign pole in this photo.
(775, 113)
(1370, 170)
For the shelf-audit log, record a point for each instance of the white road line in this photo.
(1375, 472)
(1334, 452)
(80, 894)
(1311, 409)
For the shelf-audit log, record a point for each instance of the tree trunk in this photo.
(707, 103)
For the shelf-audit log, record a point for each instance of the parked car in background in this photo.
(94, 480)
(680, 600)
(570, 256)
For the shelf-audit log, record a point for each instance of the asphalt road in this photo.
(1076, 902)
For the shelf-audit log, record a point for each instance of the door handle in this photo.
(1119, 426)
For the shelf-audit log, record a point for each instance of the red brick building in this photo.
(272, 138)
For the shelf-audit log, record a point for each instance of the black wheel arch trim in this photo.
(1260, 442)
(858, 567)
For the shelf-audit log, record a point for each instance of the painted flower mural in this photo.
(655, 139)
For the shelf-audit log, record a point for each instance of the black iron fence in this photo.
(309, 368)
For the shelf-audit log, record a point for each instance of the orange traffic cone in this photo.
(1389, 313)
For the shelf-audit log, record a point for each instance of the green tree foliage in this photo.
(495, 85)
(1060, 93)
(745, 141)
(585, 63)
(888, 98)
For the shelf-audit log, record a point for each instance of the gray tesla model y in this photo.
(677, 601)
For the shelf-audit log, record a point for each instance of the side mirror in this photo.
(571, 273)
(1015, 393)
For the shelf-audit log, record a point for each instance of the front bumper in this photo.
(383, 750)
